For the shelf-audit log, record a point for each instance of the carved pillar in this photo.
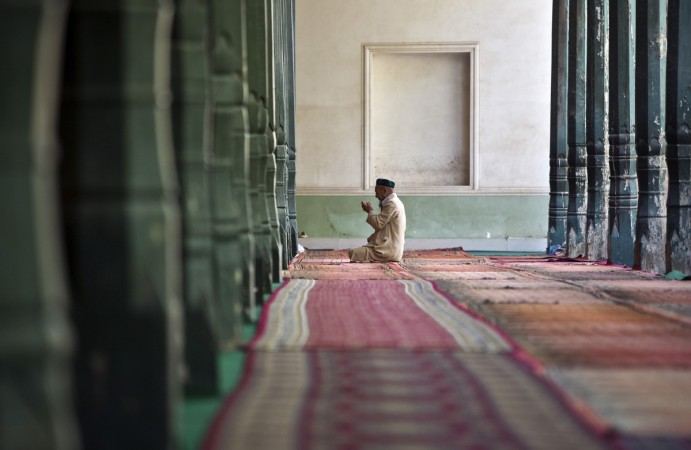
(623, 198)
(577, 157)
(678, 133)
(122, 222)
(651, 56)
(290, 119)
(283, 20)
(192, 128)
(270, 175)
(292, 208)
(596, 129)
(558, 182)
(282, 201)
(258, 69)
(37, 342)
(271, 182)
(229, 170)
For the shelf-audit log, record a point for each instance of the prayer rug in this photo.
(480, 274)
(643, 402)
(581, 271)
(669, 298)
(335, 265)
(594, 335)
(486, 296)
(454, 254)
(506, 284)
(342, 314)
(396, 399)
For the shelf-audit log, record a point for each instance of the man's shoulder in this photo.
(394, 202)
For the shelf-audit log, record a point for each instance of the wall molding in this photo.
(486, 245)
(428, 191)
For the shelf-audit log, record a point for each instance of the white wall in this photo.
(514, 83)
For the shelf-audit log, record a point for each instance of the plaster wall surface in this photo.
(514, 45)
(514, 81)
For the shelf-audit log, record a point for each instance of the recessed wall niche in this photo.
(420, 109)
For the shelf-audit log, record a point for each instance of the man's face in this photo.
(380, 192)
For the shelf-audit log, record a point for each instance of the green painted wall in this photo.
(429, 217)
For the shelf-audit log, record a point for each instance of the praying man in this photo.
(386, 243)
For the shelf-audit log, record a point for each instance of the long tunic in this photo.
(386, 243)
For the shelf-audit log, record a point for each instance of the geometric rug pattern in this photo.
(446, 349)
(395, 399)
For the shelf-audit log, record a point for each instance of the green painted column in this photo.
(596, 130)
(290, 119)
(577, 157)
(270, 180)
(122, 222)
(270, 175)
(678, 133)
(623, 194)
(36, 408)
(651, 54)
(282, 202)
(283, 123)
(558, 181)
(192, 120)
(292, 210)
(258, 69)
(229, 168)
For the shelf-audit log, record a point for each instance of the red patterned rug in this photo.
(395, 399)
(335, 265)
(346, 314)
(594, 334)
(534, 352)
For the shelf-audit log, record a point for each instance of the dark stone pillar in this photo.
(191, 131)
(651, 57)
(678, 133)
(270, 175)
(292, 207)
(290, 119)
(558, 181)
(232, 216)
(596, 129)
(258, 69)
(282, 201)
(284, 126)
(122, 222)
(271, 182)
(37, 343)
(577, 157)
(623, 197)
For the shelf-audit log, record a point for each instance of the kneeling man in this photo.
(386, 243)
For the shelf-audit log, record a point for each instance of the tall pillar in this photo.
(270, 175)
(292, 207)
(258, 69)
(283, 116)
(271, 182)
(37, 343)
(191, 115)
(290, 119)
(651, 56)
(282, 201)
(577, 157)
(678, 133)
(122, 222)
(596, 129)
(623, 196)
(558, 162)
(229, 170)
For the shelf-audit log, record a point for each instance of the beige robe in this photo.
(386, 243)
